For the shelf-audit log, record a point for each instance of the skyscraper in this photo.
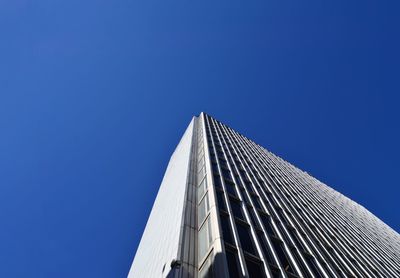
(227, 207)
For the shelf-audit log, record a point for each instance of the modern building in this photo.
(227, 207)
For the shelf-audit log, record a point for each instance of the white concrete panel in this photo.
(160, 241)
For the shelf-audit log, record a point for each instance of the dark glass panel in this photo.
(239, 182)
(245, 238)
(226, 174)
(313, 265)
(265, 248)
(276, 273)
(223, 163)
(300, 263)
(217, 181)
(281, 253)
(255, 269)
(230, 188)
(221, 200)
(231, 258)
(267, 224)
(214, 167)
(296, 239)
(257, 203)
(253, 217)
(226, 229)
(281, 215)
(244, 195)
(237, 209)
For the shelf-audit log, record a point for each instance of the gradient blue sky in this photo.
(95, 95)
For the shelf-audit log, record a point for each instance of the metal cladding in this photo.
(249, 213)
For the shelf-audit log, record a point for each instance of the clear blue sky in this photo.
(95, 95)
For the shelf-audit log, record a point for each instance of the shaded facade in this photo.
(227, 207)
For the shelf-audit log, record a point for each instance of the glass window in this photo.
(257, 203)
(239, 182)
(226, 174)
(265, 248)
(244, 195)
(284, 234)
(200, 152)
(206, 269)
(223, 163)
(212, 152)
(230, 188)
(217, 182)
(253, 217)
(276, 273)
(202, 173)
(296, 239)
(213, 159)
(255, 269)
(200, 146)
(231, 258)
(237, 209)
(226, 229)
(249, 187)
(201, 189)
(221, 200)
(203, 209)
(313, 265)
(303, 269)
(201, 162)
(281, 253)
(215, 167)
(267, 224)
(204, 238)
(245, 237)
(281, 215)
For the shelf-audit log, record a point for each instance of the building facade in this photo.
(227, 207)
